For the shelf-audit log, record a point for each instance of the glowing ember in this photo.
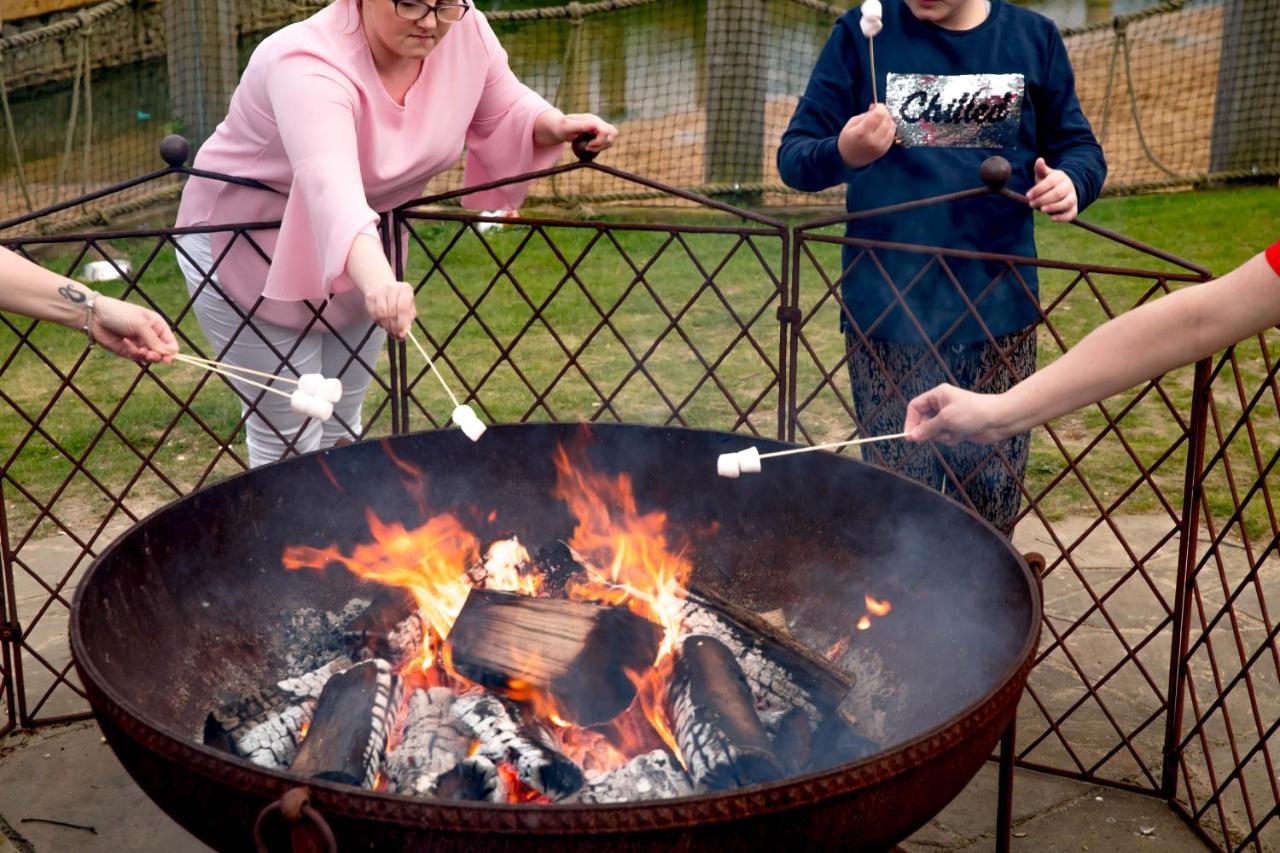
(877, 608)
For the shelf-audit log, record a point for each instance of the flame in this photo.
(864, 623)
(643, 573)
(877, 608)
(630, 562)
(837, 648)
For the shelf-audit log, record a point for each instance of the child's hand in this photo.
(865, 138)
(1054, 193)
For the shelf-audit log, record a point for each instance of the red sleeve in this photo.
(1273, 256)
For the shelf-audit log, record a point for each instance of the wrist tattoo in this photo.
(69, 293)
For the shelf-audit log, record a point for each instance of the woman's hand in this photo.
(553, 127)
(131, 331)
(865, 138)
(950, 415)
(391, 306)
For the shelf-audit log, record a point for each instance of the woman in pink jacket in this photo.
(344, 114)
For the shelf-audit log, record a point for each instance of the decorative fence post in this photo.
(735, 96)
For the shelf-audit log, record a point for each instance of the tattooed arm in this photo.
(127, 330)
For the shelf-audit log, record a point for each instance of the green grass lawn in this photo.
(611, 326)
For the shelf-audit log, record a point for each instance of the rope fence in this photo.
(1182, 93)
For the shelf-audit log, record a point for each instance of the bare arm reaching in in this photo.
(1141, 344)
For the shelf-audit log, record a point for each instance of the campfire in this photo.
(587, 669)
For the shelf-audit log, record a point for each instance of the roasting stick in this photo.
(314, 384)
(872, 22)
(463, 415)
(300, 401)
(747, 461)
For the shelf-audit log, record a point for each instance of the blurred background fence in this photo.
(1181, 93)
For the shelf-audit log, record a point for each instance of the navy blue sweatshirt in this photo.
(1004, 87)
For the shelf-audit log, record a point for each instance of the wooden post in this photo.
(201, 38)
(1246, 115)
(735, 79)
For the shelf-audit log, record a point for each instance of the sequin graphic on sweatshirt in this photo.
(956, 111)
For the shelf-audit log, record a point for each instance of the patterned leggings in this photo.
(878, 371)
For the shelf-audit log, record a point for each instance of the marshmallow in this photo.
(310, 383)
(472, 426)
(727, 466)
(311, 406)
(749, 461)
(872, 21)
(331, 390)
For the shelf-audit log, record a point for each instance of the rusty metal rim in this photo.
(337, 799)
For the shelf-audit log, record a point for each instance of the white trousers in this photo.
(271, 427)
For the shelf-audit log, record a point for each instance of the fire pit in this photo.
(189, 606)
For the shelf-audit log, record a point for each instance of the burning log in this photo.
(390, 628)
(652, 776)
(504, 737)
(722, 740)
(781, 672)
(349, 729)
(577, 652)
(433, 743)
(266, 727)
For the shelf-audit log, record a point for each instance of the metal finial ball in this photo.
(995, 173)
(175, 150)
(580, 147)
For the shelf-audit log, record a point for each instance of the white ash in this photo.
(504, 737)
(652, 776)
(311, 636)
(433, 742)
(385, 705)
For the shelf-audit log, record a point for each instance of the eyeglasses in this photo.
(416, 10)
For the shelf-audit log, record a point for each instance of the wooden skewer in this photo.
(871, 46)
(432, 365)
(832, 445)
(214, 369)
(208, 362)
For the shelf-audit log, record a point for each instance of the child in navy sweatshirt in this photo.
(961, 80)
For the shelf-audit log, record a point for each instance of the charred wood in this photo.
(503, 735)
(711, 707)
(782, 672)
(792, 738)
(432, 744)
(559, 564)
(576, 652)
(651, 776)
(476, 779)
(348, 733)
(266, 726)
(391, 628)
